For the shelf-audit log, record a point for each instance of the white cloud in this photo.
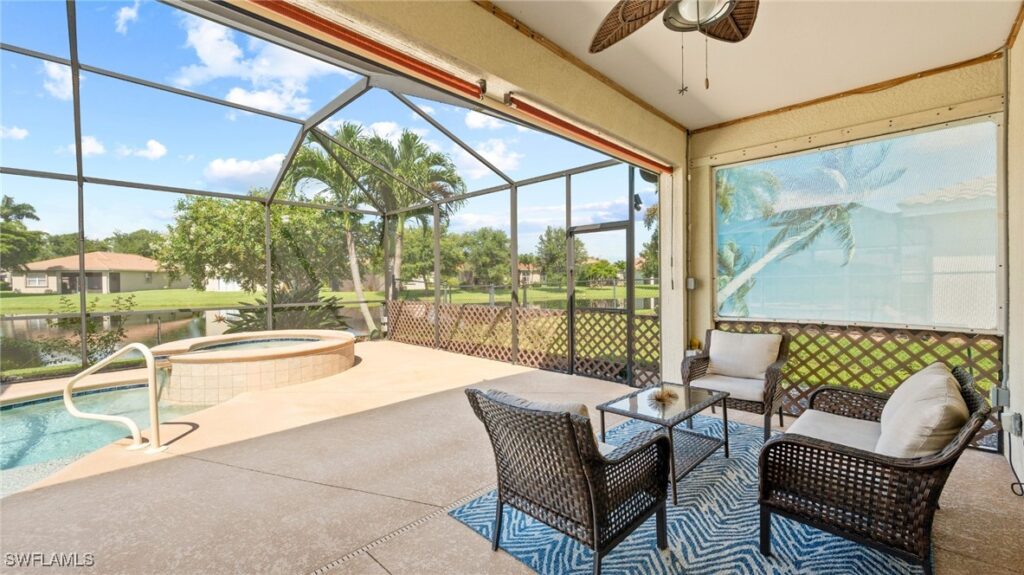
(428, 110)
(154, 150)
(496, 151)
(125, 15)
(187, 157)
(278, 77)
(462, 221)
(477, 121)
(244, 172)
(91, 146)
(332, 125)
(58, 80)
(391, 131)
(279, 100)
(13, 133)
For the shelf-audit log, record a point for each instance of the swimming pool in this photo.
(39, 438)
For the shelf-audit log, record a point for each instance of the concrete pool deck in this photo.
(356, 472)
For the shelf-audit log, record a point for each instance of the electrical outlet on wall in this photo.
(1012, 423)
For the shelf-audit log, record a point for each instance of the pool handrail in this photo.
(154, 411)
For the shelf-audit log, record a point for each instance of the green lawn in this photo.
(15, 303)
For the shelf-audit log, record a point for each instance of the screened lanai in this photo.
(175, 164)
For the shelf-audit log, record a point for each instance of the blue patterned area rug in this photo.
(714, 529)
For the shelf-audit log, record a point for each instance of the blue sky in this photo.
(135, 133)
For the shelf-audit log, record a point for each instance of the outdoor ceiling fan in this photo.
(726, 20)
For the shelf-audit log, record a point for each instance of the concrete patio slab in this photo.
(362, 467)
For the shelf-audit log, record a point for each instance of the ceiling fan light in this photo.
(688, 15)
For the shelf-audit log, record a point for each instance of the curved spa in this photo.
(207, 370)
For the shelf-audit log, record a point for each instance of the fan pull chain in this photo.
(682, 64)
(707, 82)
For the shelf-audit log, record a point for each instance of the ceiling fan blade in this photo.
(737, 25)
(625, 18)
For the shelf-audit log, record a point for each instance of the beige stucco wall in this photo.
(130, 281)
(825, 121)
(1015, 189)
(136, 281)
(19, 279)
(463, 37)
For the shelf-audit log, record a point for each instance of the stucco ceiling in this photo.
(799, 50)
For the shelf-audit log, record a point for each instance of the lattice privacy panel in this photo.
(601, 345)
(878, 359)
(646, 350)
(486, 331)
(411, 322)
(479, 330)
(544, 338)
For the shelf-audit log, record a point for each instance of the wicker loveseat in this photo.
(551, 467)
(747, 366)
(839, 483)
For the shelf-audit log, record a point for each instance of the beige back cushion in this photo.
(573, 408)
(923, 415)
(746, 355)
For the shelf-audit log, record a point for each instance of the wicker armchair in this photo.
(550, 467)
(884, 502)
(696, 367)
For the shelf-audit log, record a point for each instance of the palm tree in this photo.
(12, 211)
(730, 260)
(316, 163)
(428, 170)
(843, 174)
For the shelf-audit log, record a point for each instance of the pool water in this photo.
(37, 439)
(255, 344)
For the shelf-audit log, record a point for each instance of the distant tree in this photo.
(18, 244)
(551, 251)
(528, 259)
(219, 238)
(216, 238)
(141, 242)
(60, 245)
(650, 251)
(418, 262)
(486, 253)
(598, 270)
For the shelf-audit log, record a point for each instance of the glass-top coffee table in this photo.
(688, 447)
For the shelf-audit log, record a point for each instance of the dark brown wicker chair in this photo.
(884, 502)
(696, 367)
(549, 467)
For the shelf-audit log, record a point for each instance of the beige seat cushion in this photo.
(923, 415)
(856, 433)
(744, 355)
(573, 408)
(737, 387)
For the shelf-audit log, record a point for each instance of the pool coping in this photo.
(327, 341)
(25, 402)
(21, 392)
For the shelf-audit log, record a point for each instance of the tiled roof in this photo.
(99, 261)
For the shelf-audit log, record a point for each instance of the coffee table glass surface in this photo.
(641, 404)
